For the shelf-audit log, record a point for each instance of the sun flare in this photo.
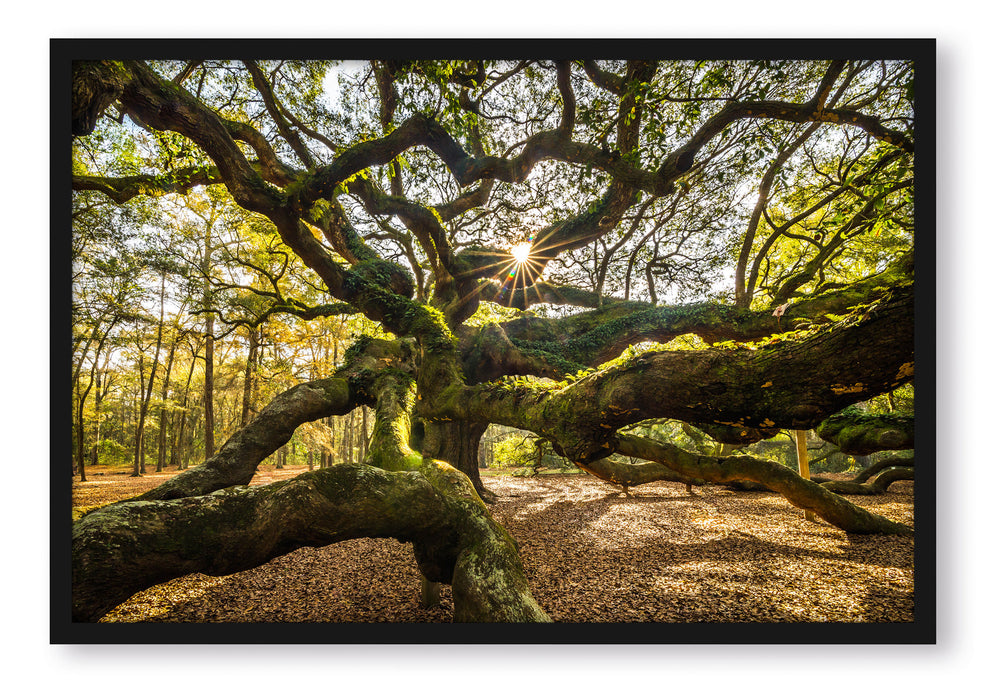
(521, 251)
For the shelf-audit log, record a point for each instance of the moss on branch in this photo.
(858, 432)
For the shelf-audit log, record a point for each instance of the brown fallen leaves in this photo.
(591, 555)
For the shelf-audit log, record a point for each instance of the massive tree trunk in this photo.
(457, 442)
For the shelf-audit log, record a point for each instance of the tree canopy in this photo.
(570, 246)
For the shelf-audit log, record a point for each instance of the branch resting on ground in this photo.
(126, 547)
(802, 493)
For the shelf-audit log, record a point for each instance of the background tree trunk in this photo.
(102, 388)
(208, 418)
(177, 454)
(146, 394)
(247, 408)
(163, 414)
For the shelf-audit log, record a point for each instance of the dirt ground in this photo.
(591, 553)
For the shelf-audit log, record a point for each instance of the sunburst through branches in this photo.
(523, 267)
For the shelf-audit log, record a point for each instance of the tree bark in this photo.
(457, 443)
(857, 432)
(128, 546)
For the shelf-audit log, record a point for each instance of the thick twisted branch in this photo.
(802, 493)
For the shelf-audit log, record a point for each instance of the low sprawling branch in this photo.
(626, 474)
(858, 432)
(127, 547)
(236, 462)
(880, 465)
(804, 494)
(792, 383)
(877, 486)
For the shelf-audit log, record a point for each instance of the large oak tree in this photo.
(571, 247)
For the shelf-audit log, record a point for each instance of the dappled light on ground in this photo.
(591, 553)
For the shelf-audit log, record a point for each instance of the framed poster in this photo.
(615, 335)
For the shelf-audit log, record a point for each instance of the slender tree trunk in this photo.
(348, 441)
(139, 427)
(173, 449)
(96, 416)
(76, 370)
(177, 454)
(208, 418)
(162, 423)
(247, 409)
(80, 438)
(139, 458)
(94, 451)
(102, 386)
(81, 405)
(326, 454)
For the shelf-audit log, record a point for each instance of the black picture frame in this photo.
(922, 631)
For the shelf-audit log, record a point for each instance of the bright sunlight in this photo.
(521, 251)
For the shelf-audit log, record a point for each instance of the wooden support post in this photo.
(803, 467)
(429, 593)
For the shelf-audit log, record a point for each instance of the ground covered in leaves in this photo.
(591, 554)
